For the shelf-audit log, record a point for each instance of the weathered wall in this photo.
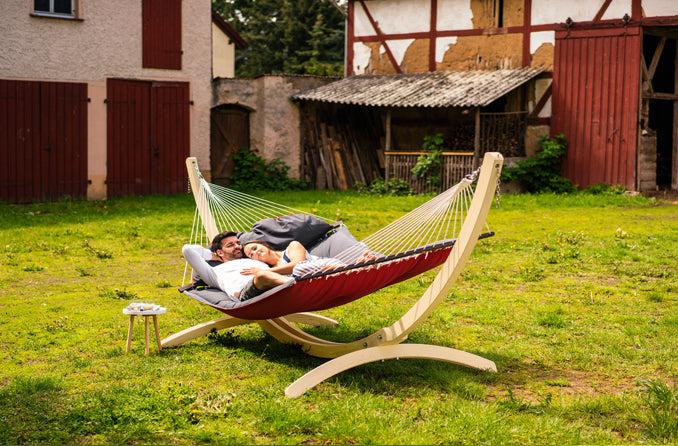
(494, 49)
(106, 43)
(274, 117)
(223, 54)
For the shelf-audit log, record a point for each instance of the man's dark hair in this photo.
(216, 243)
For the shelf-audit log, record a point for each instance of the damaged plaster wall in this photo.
(557, 11)
(274, 118)
(483, 53)
(492, 51)
(389, 15)
(542, 45)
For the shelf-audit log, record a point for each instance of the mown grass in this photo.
(574, 299)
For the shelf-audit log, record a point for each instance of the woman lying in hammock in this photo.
(293, 260)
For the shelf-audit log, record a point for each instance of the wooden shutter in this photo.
(161, 34)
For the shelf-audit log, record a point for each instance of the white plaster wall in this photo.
(393, 16)
(361, 57)
(557, 11)
(454, 14)
(105, 44)
(398, 48)
(223, 54)
(660, 7)
(541, 37)
(617, 9)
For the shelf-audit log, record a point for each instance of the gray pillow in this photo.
(279, 232)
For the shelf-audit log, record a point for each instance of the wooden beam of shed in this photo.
(655, 58)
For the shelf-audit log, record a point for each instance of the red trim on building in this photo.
(350, 37)
(541, 103)
(382, 39)
(527, 30)
(636, 10)
(432, 36)
(601, 11)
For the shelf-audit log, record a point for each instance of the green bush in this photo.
(605, 189)
(429, 165)
(541, 173)
(394, 186)
(252, 172)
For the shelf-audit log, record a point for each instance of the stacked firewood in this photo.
(341, 146)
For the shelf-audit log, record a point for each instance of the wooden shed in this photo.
(364, 127)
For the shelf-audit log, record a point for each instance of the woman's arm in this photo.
(296, 253)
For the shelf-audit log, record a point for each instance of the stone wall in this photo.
(274, 117)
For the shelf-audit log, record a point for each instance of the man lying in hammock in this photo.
(222, 264)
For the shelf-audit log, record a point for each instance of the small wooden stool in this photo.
(146, 314)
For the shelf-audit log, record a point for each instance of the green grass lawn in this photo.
(575, 299)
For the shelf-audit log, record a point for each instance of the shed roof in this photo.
(436, 89)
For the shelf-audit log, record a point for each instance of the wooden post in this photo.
(674, 167)
(147, 350)
(387, 142)
(476, 140)
(157, 333)
(129, 334)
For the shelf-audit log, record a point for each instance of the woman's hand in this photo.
(250, 271)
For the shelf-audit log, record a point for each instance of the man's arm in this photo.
(197, 257)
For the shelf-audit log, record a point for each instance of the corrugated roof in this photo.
(436, 89)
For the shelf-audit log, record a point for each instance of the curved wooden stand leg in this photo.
(312, 319)
(201, 330)
(360, 357)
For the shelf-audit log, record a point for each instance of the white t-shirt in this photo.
(229, 277)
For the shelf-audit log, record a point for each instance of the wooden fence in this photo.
(455, 166)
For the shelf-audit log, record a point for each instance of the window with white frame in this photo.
(56, 8)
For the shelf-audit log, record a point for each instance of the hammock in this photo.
(431, 235)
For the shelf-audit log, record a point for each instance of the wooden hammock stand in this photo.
(385, 343)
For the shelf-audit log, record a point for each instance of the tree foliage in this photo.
(287, 36)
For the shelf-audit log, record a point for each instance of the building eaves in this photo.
(436, 89)
(223, 25)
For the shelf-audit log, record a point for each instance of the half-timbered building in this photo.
(607, 79)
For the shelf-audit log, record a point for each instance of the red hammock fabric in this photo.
(337, 289)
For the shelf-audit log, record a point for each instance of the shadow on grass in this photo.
(384, 377)
(29, 411)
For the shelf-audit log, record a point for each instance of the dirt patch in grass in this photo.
(532, 385)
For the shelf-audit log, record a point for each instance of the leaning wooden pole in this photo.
(200, 196)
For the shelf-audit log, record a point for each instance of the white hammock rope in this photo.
(436, 221)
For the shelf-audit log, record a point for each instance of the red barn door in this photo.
(148, 137)
(43, 140)
(596, 89)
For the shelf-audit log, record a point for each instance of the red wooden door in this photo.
(148, 137)
(596, 88)
(229, 132)
(43, 140)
